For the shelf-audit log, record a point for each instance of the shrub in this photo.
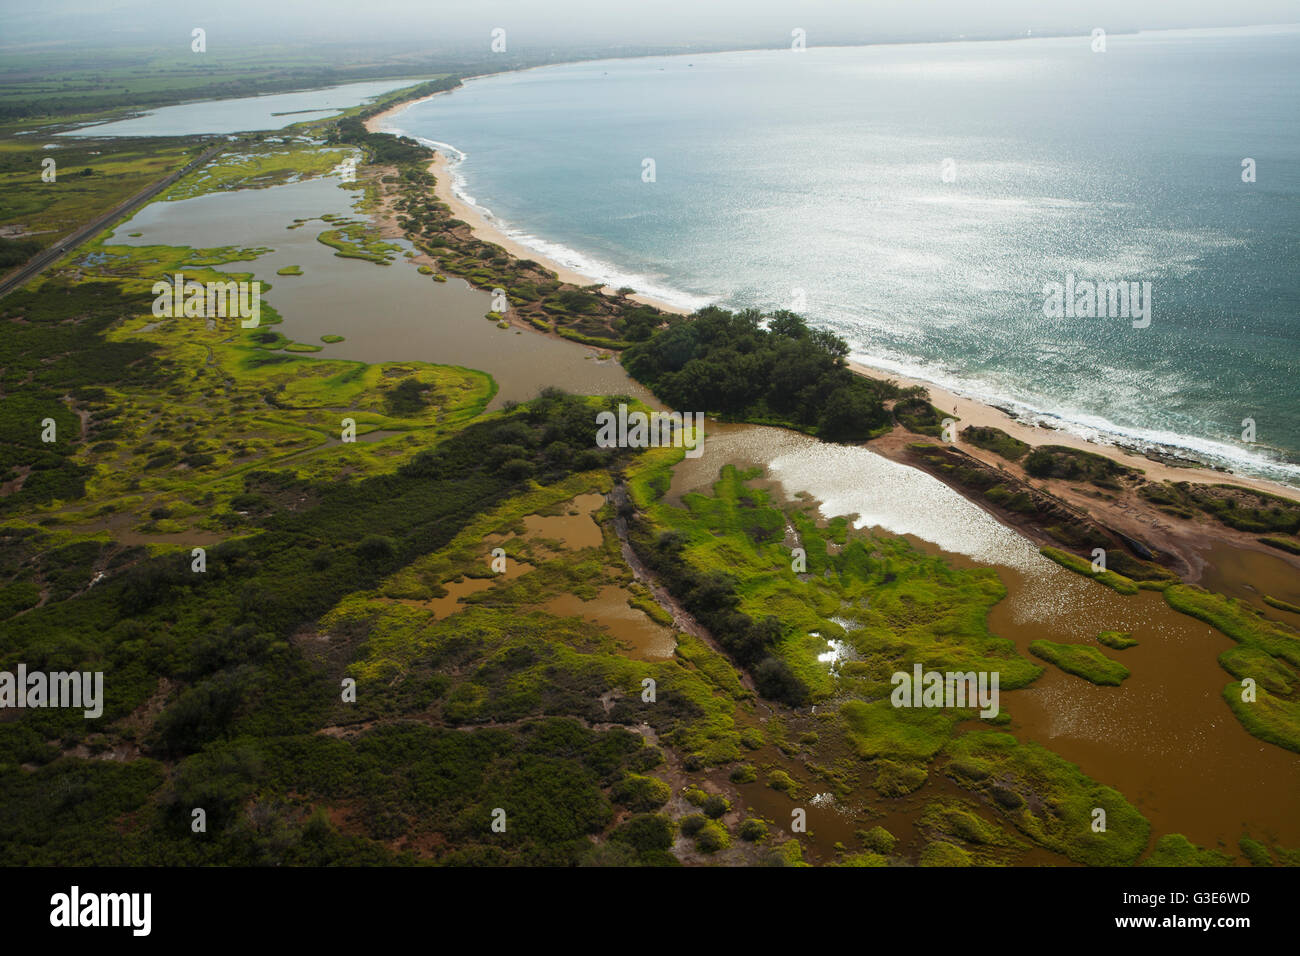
(646, 833)
(878, 840)
(753, 830)
(711, 838)
(715, 806)
(376, 547)
(780, 780)
(744, 774)
(693, 823)
(641, 794)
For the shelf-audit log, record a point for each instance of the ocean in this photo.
(924, 201)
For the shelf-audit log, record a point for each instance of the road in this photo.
(43, 259)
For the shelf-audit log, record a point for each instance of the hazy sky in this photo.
(560, 23)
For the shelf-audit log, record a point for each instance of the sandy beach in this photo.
(483, 227)
(968, 411)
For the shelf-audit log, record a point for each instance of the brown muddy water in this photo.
(451, 602)
(576, 528)
(573, 529)
(1165, 738)
(385, 313)
(1250, 575)
(643, 638)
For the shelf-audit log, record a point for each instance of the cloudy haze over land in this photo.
(575, 22)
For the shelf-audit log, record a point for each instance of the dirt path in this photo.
(683, 620)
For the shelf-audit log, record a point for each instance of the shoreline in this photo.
(968, 411)
(488, 231)
(972, 411)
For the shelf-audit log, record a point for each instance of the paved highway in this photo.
(41, 260)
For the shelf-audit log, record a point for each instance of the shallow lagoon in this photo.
(385, 313)
(222, 117)
(1164, 738)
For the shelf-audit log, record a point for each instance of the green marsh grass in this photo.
(1082, 660)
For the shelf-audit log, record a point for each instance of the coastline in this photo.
(485, 229)
(969, 411)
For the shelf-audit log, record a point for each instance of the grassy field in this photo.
(1062, 812)
(261, 162)
(996, 440)
(1245, 509)
(44, 212)
(238, 403)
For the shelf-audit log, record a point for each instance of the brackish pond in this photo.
(385, 313)
(220, 117)
(1164, 738)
